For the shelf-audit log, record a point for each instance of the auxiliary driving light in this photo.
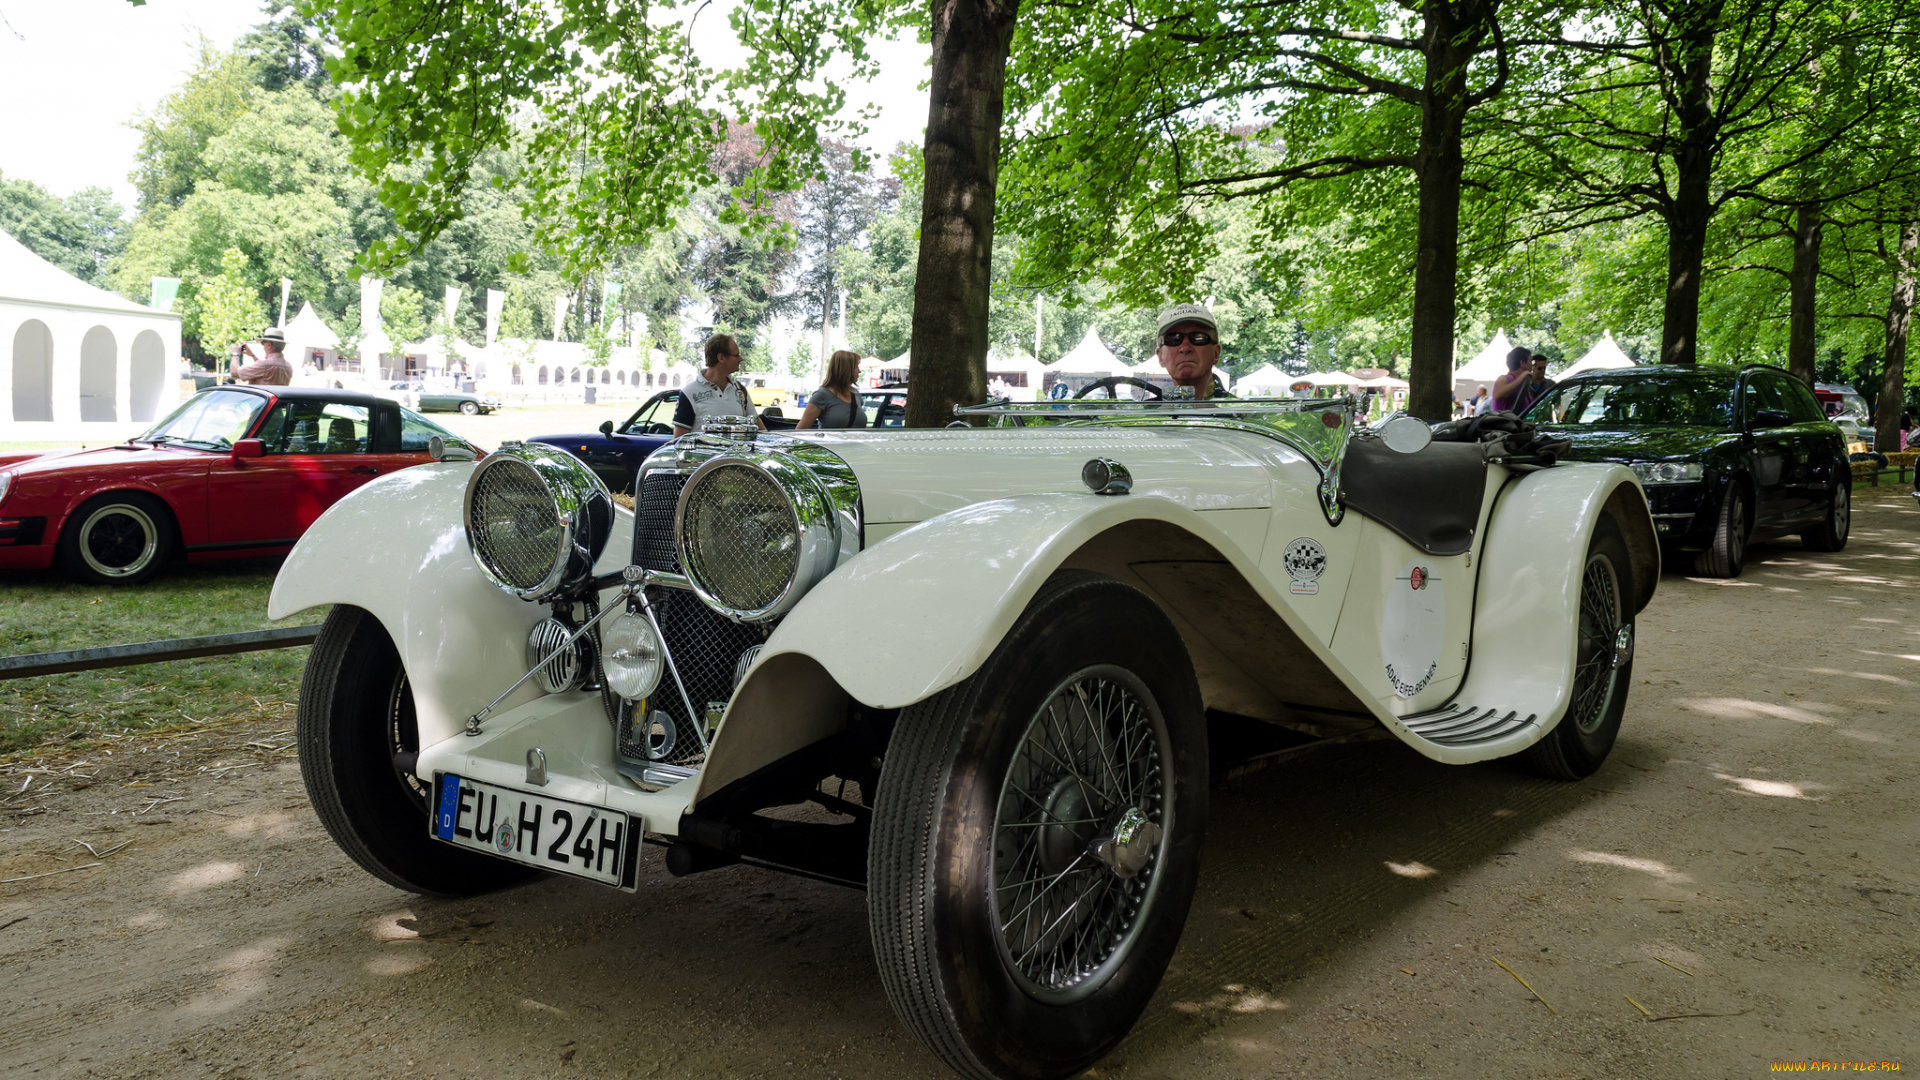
(632, 656)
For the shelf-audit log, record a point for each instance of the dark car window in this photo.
(1801, 404)
(1762, 392)
(315, 427)
(213, 419)
(1641, 401)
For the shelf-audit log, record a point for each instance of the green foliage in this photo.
(227, 309)
(78, 234)
(599, 345)
(404, 315)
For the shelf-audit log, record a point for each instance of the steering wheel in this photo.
(1112, 381)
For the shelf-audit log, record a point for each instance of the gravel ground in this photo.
(1737, 886)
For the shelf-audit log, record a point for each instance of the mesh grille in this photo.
(742, 537)
(653, 521)
(513, 523)
(707, 647)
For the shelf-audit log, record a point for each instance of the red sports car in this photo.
(235, 472)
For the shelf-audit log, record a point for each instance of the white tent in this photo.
(1014, 373)
(1090, 357)
(1489, 364)
(1325, 378)
(311, 344)
(1605, 354)
(77, 361)
(1265, 381)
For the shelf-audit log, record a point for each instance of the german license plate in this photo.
(592, 842)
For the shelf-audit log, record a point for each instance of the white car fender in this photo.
(923, 609)
(1527, 607)
(398, 548)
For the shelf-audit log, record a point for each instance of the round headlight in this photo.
(537, 519)
(755, 532)
(631, 655)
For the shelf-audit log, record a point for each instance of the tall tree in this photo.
(78, 234)
(1128, 105)
(833, 215)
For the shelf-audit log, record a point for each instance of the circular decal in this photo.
(1305, 560)
(1413, 628)
(503, 837)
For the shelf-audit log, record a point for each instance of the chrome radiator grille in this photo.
(705, 646)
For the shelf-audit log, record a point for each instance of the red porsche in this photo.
(235, 472)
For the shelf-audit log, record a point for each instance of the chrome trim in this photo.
(536, 766)
(1105, 476)
(1674, 517)
(580, 503)
(473, 722)
(821, 492)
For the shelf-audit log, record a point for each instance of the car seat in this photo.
(340, 438)
(303, 436)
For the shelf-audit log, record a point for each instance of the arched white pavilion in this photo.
(77, 361)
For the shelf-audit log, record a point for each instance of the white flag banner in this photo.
(451, 304)
(496, 303)
(560, 317)
(286, 286)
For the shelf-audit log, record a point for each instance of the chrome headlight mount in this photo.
(757, 525)
(537, 519)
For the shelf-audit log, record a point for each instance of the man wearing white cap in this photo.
(1188, 345)
(269, 370)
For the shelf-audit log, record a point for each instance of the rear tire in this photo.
(119, 539)
(1831, 535)
(1579, 744)
(1011, 942)
(356, 714)
(1728, 553)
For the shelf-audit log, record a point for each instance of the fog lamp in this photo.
(631, 654)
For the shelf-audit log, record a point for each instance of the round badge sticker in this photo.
(1413, 628)
(1304, 560)
(503, 838)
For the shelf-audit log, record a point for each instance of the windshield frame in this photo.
(201, 402)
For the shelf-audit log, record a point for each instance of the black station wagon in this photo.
(1727, 455)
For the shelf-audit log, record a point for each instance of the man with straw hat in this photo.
(271, 369)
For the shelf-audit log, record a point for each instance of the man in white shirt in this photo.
(714, 392)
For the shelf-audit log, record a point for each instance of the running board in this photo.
(1466, 725)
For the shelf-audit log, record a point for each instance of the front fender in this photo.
(397, 547)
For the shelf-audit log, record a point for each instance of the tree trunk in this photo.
(1441, 162)
(1802, 283)
(1893, 381)
(971, 40)
(1687, 63)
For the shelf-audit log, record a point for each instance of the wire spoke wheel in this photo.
(1600, 620)
(1068, 900)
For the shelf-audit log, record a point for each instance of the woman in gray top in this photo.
(836, 405)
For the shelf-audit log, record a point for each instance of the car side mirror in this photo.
(606, 428)
(249, 448)
(1771, 418)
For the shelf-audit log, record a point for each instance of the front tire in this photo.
(118, 539)
(1728, 553)
(1036, 837)
(1831, 535)
(356, 717)
(469, 408)
(1579, 744)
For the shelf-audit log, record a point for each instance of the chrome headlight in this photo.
(537, 519)
(1666, 472)
(755, 530)
(632, 656)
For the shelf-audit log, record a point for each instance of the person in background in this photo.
(714, 392)
(1535, 386)
(1478, 399)
(271, 369)
(1188, 346)
(1506, 388)
(836, 405)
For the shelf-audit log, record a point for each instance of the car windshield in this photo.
(656, 412)
(416, 430)
(1639, 402)
(212, 420)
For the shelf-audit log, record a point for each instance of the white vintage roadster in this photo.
(984, 661)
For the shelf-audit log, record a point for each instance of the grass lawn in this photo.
(42, 611)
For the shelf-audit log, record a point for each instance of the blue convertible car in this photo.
(615, 453)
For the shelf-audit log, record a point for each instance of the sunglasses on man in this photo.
(1200, 338)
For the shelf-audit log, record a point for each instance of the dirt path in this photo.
(1750, 850)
